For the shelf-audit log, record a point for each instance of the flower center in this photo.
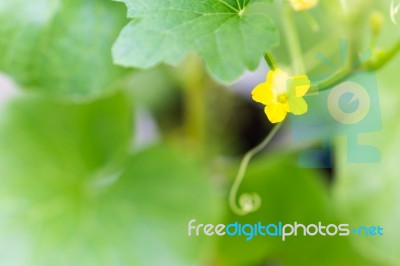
(282, 98)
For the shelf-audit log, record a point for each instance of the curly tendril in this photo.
(344, 6)
(394, 10)
(248, 202)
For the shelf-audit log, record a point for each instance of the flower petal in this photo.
(297, 106)
(301, 5)
(262, 93)
(276, 112)
(278, 80)
(298, 85)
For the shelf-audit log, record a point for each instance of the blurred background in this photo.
(104, 165)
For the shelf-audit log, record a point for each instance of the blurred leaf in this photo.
(161, 88)
(165, 31)
(61, 48)
(71, 194)
(81, 136)
(289, 194)
(166, 191)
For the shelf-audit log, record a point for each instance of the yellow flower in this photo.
(301, 5)
(282, 94)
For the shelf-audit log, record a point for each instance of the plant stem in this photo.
(331, 81)
(270, 61)
(193, 81)
(372, 64)
(382, 59)
(255, 198)
(292, 40)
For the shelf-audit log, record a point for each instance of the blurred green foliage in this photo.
(369, 194)
(74, 188)
(61, 48)
(74, 193)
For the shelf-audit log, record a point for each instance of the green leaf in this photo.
(230, 38)
(60, 48)
(71, 193)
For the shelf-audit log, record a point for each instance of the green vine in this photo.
(250, 202)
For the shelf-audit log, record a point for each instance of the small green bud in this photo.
(376, 22)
